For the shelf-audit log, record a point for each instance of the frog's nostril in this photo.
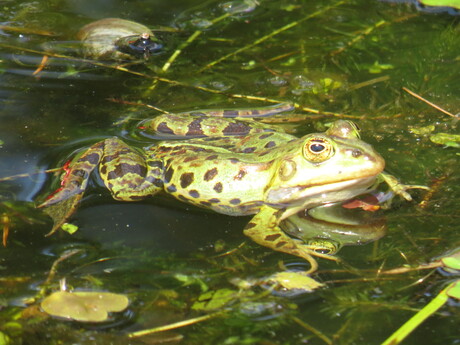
(356, 153)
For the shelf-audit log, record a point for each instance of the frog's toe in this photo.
(401, 190)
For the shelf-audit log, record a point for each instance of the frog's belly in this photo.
(225, 186)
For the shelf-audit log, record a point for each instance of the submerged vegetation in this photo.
(188, 275)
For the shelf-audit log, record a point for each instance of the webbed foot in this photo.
(399, 188)
(61, 211)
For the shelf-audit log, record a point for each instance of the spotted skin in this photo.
(260, 171)
(206, 123)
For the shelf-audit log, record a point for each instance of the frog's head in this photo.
(323, 168)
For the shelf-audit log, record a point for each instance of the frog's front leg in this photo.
(399, 188)
(264, 229)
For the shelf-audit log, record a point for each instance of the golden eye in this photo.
(323, 246)
(318, 150)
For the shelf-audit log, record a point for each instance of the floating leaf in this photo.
(446, 139)
(213, 300)
(378, 67)
(452, 261)
(69, 228)
(454, 290)
(294, 281)
(422, 130)
(84, 306)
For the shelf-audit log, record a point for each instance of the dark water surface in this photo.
(349, 58)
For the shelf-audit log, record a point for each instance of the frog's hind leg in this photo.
(213, 123)
(127, 174)
(61, 204)
(264, 230)
(124, 171)
(242, 113)
(75, 178)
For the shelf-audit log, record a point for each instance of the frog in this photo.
(227, 162)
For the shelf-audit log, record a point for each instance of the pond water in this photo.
(332, 59)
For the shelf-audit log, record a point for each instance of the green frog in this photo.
(231, 164)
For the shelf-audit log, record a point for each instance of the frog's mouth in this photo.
(308, 196)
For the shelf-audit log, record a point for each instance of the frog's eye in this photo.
(318, 150)
(344, 129)
(355, 126)
(323, 246)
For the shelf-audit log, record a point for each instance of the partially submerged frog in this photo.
(117, 39)
(231, 166)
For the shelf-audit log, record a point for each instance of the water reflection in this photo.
(330, 227)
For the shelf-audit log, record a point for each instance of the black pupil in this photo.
(317, 147)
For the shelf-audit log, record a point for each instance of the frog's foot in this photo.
(264, 230)
(399, 188)
(61, 211)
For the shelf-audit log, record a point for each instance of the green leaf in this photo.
(442, 3)
(452, 261)
(69, 228)
(447, 139)
(294, 281)
(416, 320)
(213, 300)
(84, 306)
(4, 339)
(377, 67)
(188, 280)
(422, 130)
(454, 290)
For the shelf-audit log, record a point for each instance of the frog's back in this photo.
(256, 143)
(216, 178)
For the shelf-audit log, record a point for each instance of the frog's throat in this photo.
(307, 196)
